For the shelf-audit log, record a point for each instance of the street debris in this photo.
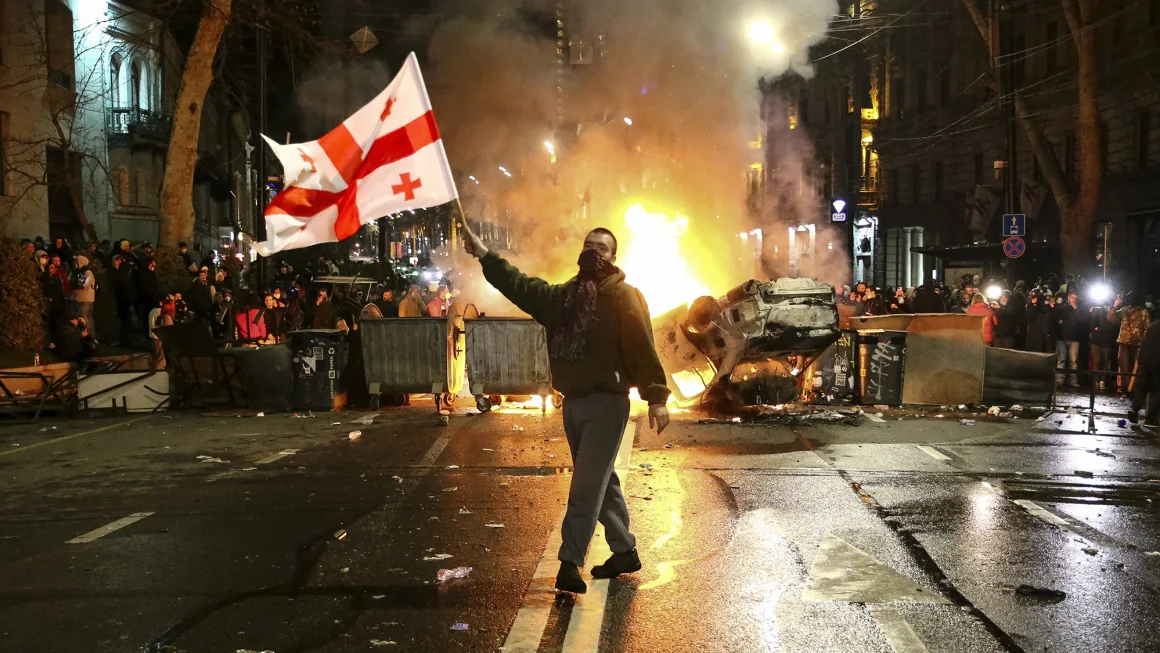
(354, 435)
(444, 420)
(340, 534)
(517, 427)
(494, 525)
(669, 445)
(1102, 454)
(464, 511)
(365, 420)
(336, 423)
(1090, 551)
(308, 414)
(1083, 474)
(444, 575)
(1152, 553)
(646, 467)
(967, 422)
(450, 489)
(1122, 423)
(489, 450)
(437, 556)
(453, 467)
(397, 479)
(260, 414)
(1017, 408)
(211, 459)
(994, 410)
(459, 627)
(248, 469)
(1041, 592)
(345, 570)
(382, 642)
(247, 650)
(48, 428)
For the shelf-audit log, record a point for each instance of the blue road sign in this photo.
(1014, 224)
(1014, 247)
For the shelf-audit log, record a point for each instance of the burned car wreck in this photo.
(750, 346)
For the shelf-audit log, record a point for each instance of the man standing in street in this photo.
(1133, 320)
(599, 346)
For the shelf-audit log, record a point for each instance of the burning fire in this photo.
(651, 257)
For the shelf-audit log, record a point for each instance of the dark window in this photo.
(980, 169)
(1051, 54)
(939, 179)
(58, 37)
(915, 176)
(920, 91)
(1069, 156)
(898, 102)
(803, 108)
(944, 86)
(1018, 58)
(1143, 139)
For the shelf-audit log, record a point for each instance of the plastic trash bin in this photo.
(319, 358)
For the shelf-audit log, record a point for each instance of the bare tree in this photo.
(177, 215)
(1077, 201)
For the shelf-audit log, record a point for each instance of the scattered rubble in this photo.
(354, 435)
(1041, 592)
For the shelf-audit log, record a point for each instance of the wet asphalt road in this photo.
(215, 533)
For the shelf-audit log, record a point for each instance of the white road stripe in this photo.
(932, 452)
(587, 618)
(1042, 513)
(898, 632)
(108, 528)
(271, 458)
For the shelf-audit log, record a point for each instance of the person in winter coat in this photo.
(126, 294)
(1007, 322)
(1146, 389)
(412, 305)
(1102, 339)
(1072, 329)
(386, 304)
(600, 345)
(1133, 319)
(200, 297)
(979, 307)
(875, 305)
(324, 312)
(84, 291)
(62, 273)
(1039, 325)
(438, 305)
(61, 248)
(54, 295)
(928, 300)
(148, 289)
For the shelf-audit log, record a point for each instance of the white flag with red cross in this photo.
(387, 157)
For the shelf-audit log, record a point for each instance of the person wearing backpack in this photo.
(84, 290)
(599, 346)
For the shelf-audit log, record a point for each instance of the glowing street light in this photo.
(762, 33)
(628, 121)
(505, 171)
(551, 148)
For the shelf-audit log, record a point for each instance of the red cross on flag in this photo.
(387, 157)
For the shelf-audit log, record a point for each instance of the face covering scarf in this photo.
(571, 336)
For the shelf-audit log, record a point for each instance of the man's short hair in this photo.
(183, 244)
(605, 232)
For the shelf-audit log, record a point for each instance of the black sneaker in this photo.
(568, 579)
(1133, 416)
(619, 563)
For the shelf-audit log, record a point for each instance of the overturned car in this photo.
(750, 346)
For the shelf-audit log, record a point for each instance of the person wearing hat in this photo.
(84, 290)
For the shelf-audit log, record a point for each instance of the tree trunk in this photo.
(1076, 229)
(177, 185)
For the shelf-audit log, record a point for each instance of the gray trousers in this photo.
(594, 426)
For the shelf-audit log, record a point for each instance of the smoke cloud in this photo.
(683, 72)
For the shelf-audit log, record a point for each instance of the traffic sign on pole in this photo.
(1014, 247)
(1014, 224)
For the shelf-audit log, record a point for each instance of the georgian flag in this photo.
(386, 158)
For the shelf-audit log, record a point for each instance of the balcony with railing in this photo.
(136, 126)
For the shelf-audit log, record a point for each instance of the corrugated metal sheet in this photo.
(507, 356)
(405, 355)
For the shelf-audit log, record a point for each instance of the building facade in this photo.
(87, 89)
(910, 125)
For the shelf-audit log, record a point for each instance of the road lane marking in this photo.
(1042, 513)
(897, 630)
(271, 458)
(16, 450)
(587, 617)
(108, 528)
(932, 452)
(843, 572)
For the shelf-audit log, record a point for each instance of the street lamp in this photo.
(628, 121)
(763, 34)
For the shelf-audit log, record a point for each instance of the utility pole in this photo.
(1003, 63)
(260, 207)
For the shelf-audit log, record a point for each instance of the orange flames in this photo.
(660, 261)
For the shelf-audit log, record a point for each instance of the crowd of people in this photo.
(234, 309)
(1086, 326)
